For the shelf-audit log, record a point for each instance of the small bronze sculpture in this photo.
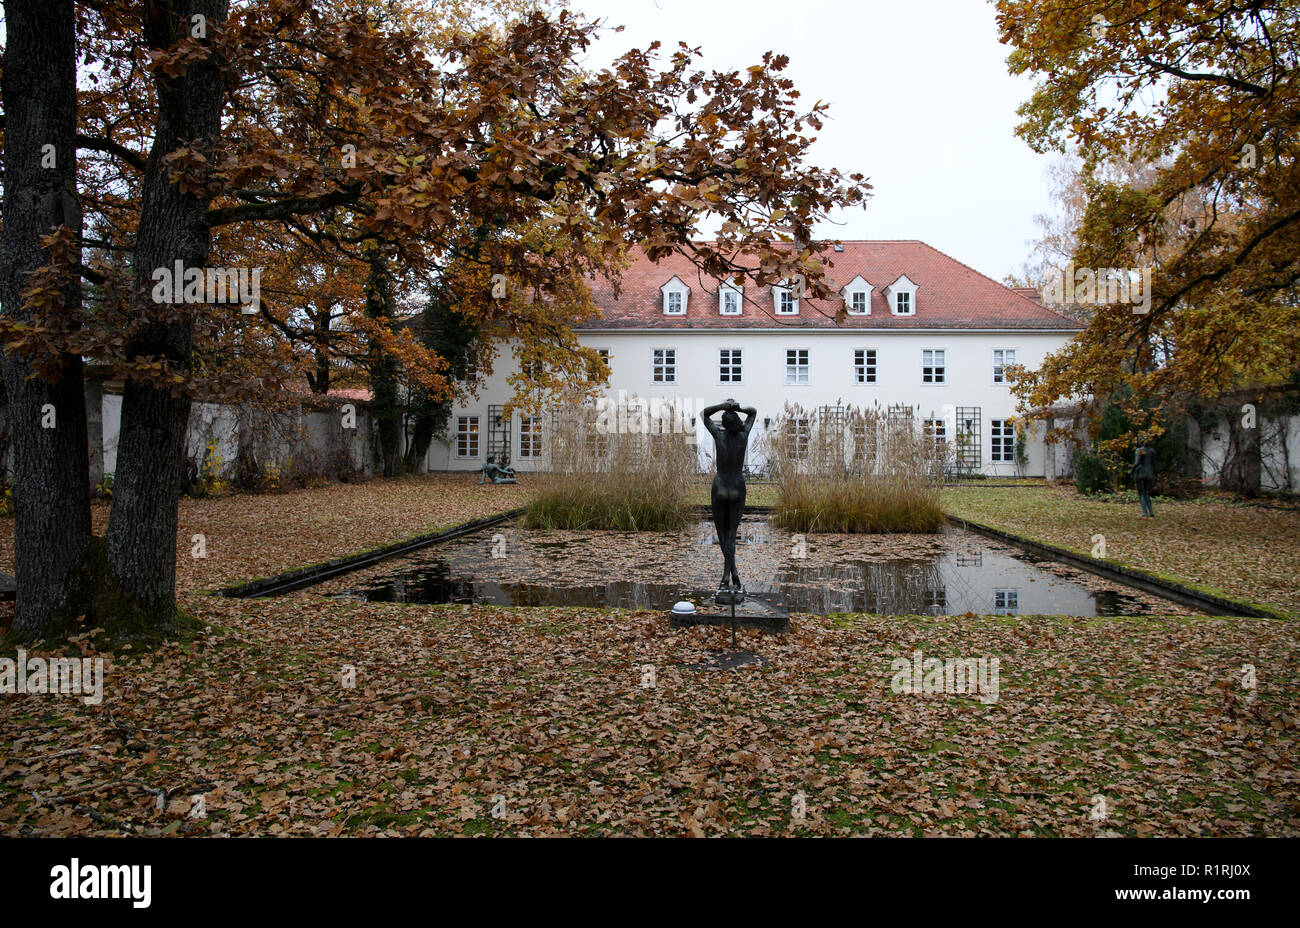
(499, 474)
(730, 442)
(1144, 477)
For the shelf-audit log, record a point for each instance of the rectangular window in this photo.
(796, 365)
(801, 437)
(786, 304)
(530, 437)
(664, 368)
(933, 368)
(729, 366)
(730, 302)
(597, 445)
(467, 436)
(604, 354)
(1002, 359)
(1002, 434)
(858, 302)
(673, 304)
(1006, 602)
(903, 302)
(864, 365)
(471, 373)
(864, 448)
(936, 432)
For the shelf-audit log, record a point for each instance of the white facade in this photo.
(768, 383)
(909, 327)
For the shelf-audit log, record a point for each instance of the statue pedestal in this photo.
(762, 612)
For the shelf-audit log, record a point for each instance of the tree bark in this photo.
(141, 539)
(320, 380)
(48, 418)
(383, 369)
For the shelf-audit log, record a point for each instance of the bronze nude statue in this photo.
(497, 473)
(730, 441)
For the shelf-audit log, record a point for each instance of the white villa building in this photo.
(925, 335)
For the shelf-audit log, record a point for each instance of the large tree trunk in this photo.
(383, 368)
(141, 536)
(48, 418)
(320, 380)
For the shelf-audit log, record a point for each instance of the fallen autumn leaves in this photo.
(540, 715)
(484, 720)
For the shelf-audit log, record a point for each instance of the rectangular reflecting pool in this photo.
(950, 573)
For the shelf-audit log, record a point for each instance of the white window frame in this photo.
(935, 431)
(793, 369)
(736, 366)
(1010, 602)
(800, 437)
(779, 294)
(899, 288)
(662, 369)
(469, 438)
(871, 366)
(531, 427)
(940, 354)
(1000, 366)
(730, 289)
(1002, 441)
(858, 286)
(675, 288)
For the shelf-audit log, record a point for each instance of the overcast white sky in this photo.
(921, 103)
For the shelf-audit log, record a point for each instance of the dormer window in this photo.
(676, 296)
(901, 295)
(857, 297)
(729, 300)
(786, 303)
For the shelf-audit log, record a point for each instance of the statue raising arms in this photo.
(730, 442)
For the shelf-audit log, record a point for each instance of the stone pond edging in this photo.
(312, 574)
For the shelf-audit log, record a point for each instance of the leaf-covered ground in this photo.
(247, 536)
(1250, 551)
(468, 720)
(487, 720)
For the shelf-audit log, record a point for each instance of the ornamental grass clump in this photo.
(848, 470)
(629, 475)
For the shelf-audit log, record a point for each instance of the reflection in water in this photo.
(969, 576)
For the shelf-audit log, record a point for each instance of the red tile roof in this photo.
(949, 295)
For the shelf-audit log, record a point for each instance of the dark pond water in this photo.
(947, 574)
